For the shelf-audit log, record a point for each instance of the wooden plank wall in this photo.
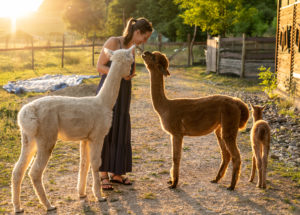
(288, 48)
(258, 52)
(296, 46)
(283, 50)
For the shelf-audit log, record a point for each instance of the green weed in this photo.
(149, 196)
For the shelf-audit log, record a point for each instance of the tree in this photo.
(257, 18)
(85, 16)
(119, 11)
(215, 17)
(230, 16)
(164, 16)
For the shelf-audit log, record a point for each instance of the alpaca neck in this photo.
(256, 119)
(159, 98)
(110, 89)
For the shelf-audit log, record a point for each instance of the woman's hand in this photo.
(129, 77)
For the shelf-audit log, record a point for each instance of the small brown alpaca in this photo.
(197, 117)
(260, 141)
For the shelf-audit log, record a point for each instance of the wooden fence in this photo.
(62, 47)
(241, 55)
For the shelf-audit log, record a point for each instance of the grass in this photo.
(149, 196)
(284, 170)
(285, 107)
(223, 81)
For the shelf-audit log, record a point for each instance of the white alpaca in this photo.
(86, 119)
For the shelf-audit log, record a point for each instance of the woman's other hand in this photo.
(129, 77)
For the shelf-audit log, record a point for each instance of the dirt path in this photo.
(151, 163)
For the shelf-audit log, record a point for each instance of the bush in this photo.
(269, 79)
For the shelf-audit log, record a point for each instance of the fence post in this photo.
(242, 74)
(159, 42)
(63, 51)
(93, 55)
(189, 49)
(218, 54)
(32, 54)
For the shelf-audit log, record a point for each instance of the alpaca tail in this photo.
(244, 113)
(28, 120)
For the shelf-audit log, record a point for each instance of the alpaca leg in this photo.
(83, 168)
(37, 169)
(27, 152)
(253, 170)
(236, 159)
(176, 151)
(225, 157)
(257, 150)
(264, 165)
(95, 152)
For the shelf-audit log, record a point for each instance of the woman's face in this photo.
(139, 38)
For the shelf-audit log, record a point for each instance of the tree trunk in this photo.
(192, 44)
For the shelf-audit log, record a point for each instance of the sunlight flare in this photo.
(18, 8)
(14, 9)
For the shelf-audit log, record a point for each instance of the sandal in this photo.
(109, 185)
(124, 180)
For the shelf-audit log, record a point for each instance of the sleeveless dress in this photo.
(116, 152)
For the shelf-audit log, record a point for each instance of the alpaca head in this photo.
(123, 57)
(156, 62)
(257, 112)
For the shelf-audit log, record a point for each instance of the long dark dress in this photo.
(116, 153)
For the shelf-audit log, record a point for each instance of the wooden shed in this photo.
(287, 59)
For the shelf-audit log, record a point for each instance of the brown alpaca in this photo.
(196, 117)
(260, 141)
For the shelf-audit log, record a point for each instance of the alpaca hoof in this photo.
(230, 188)
(173, 186)
(250, 180)
(169, 182)
(21, 210)
(82, 196)
(258, 186)
(52, 208)
(214, 181)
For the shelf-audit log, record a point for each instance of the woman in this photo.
(116, 153)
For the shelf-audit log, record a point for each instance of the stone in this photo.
(274, 156)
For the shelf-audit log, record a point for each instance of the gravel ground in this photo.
(149, 193)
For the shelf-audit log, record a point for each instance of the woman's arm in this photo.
(113, 44)
(133, 72)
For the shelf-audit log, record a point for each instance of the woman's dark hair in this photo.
(141, 24)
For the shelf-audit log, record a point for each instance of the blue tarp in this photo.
(45, 83)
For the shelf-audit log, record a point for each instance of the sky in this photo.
(18, 8)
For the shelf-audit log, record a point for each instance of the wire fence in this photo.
(33, 50)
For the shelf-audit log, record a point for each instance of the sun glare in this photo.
(14, 9)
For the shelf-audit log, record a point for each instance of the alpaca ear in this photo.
(164, 71)
(132, 47)
(108, 52)
(263, 107)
